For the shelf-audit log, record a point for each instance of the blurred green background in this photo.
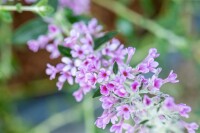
(30, 102)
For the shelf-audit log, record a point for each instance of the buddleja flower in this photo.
(132, 102)
(139, 100)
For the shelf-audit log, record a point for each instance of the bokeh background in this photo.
(29, 101)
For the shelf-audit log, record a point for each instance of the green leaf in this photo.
(6, 16)
(30, 30)
(97, 92)
(64, 51)
(115, 68)
(99, 41)
(143, 122)
(75, 18)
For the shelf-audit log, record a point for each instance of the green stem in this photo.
(145, 23)
(88, 110)
(23, 8)
(5, 51)
(58, 120)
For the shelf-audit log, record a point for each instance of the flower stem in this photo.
(88, 111)
(22, 8)
(145, 23)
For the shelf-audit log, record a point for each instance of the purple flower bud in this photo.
(184, 110)
(33, 45)
(146, 100)
(78, 95)
(130, 52)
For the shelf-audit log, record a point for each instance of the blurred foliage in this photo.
(30, 30)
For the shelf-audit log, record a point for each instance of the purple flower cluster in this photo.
(131, 98)
(78, 6)
(49, 42)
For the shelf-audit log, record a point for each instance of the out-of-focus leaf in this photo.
(6, 16)
(30, 30)
(54, 4)
(115, 68)
(147, 6)
(125, 27)
(64, 51)
(100, 41)
(75, 18)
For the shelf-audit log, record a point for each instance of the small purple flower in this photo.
(52, 48)
(80, 51)
(93, 27)
(127, 73)
(51, 71)
(169, 103)
(142, 67)
(184, 110)
(91, 78)
(191, 127)
(110, 86)
(104, 90)
(117, 128)
(130, 52)
(153, 53)
(121, 92)
(107, 102)
(65, 76)
(33, 45)
(78, 95)
(151, 65)
(78, 6)
(43, 40)
(171, 78)
(124, 111)
(103, 75)
(86, 88)
(135, 86)
(71, 65)
(156, 83)
(87, 40)
(53, 30)
(72, 39)
(146, 100)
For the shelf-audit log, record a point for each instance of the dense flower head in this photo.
(132, 101)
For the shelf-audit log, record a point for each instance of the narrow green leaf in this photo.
(75, 18)
(143, 122)
(115, 68)
(99, 41)
(30, 30)
(64, 51)
(97, 92)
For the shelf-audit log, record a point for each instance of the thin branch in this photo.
(145, 23)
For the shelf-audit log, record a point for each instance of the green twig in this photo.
(145, 23)
(58, 120)
(23, 8)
